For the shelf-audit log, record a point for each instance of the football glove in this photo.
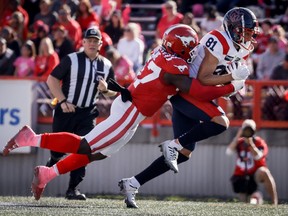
(238, 84)
(125, 93)
(239, 71)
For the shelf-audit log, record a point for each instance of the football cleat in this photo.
(129, 191)
(170, 154)
(75, 194)
(21, 139)
(40, 180)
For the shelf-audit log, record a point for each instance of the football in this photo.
(220, 70)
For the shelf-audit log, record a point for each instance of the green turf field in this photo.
(98, 206)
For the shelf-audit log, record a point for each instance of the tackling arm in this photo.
(194, 88)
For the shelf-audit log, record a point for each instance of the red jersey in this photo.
(85, 22)
(45, 64)
(245, 159)
(165, 23)
(74, 32)
(262, 43)
(149, 92)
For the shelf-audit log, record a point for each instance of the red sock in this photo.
(208, 93)
(60, 142)
(72, 162)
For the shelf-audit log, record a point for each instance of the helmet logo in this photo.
(186, 40)
(181, 68)
(235, 16)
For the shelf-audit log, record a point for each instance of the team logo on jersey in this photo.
(186, 40)
(181, 68)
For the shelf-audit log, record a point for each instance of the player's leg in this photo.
(240, 186)
(43, 175)
(213, 122)
(116, 130)
(129, 186)
(263, 175)
(60, 142)
(105, 139)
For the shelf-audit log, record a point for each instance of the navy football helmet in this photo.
(241, 25)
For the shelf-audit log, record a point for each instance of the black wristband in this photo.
(104, 92)
(63, 101)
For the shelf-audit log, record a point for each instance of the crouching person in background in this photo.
(251, 168)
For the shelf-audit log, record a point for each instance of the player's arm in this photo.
(207, 67)
(194, 88)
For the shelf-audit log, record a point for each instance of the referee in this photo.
(74, 83)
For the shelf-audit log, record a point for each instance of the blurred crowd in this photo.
(36, 34)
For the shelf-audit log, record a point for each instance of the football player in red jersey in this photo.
(195, 120)
(163, 75)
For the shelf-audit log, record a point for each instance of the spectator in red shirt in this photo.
(47, 59)
(263, 37)
(71, 25)
(170, 17)
(251, 168)
(85, 15)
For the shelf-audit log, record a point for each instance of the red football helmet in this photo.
(180, 39)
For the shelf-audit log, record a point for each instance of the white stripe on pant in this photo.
(114, 132)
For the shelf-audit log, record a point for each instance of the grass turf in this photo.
(99, 206)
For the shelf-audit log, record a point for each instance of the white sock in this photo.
(38, 137)
(176, 145)
(56, 169)
(134, 182)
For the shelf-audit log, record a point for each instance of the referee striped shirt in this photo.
(80, 77)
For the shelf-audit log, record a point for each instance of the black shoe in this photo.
(74, 194)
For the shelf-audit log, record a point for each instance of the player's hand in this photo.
(238, 84)
(238, 71)
(67, 107)
(102, 85)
